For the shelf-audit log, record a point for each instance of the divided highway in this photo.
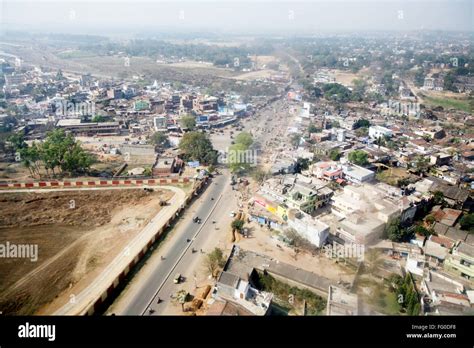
(175, 255)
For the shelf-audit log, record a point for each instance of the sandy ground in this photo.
(74, 244)
(14, 170)
(254, 75)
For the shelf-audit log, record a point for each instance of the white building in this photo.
(415, 264)
(159, 123)
(357, 174)
(311, 229)
(362, 213)
(376, 132)
(341, 135)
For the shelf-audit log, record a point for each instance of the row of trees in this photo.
(59, 154)
(407, 296)
(239, 158)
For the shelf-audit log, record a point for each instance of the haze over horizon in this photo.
(279, 17)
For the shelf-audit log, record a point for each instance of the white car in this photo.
(232, 214)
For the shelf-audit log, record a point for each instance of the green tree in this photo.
(380, 141)
(422, 164)
(358, 157)
(362, 131)
(160, 139)
(237, 224)
(198, 147)
(430, 219)
(99, 118)
(396, 232)
(295, 139)
(17, 142)
(335, 154)
(361, 123)
(438, 198)
(238, 158)
(419, 78)
(188, 122)
(313, 129)
(336, 92)
(244, 138)
(358, 91)
(58, 152)
(449, 81)
(403, 182)
(259, 175)
(419, 229)
(467, 222)
(301, 164)
(214, 261)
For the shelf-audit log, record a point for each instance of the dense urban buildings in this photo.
(309, 174)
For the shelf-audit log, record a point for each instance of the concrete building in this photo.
(341, 302)
(231, 287)
(341, 135)
(167, 166)
(311, 229)
(461, 261)
(415, 264)
(159, 123)
(77, 127)
(376, 132)
(362, 213)
(357, 174)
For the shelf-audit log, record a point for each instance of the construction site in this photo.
(77, 233)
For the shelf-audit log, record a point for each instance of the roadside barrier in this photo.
(89, 183)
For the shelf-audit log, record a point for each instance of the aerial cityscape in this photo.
(237, 159)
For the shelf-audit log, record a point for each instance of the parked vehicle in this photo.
(177, 278)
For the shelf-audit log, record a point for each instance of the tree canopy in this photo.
(244, 138)
(198, 147)
(361, 123)
(358, 157)
(188, 122)
(215, 261)
(239, 157)
(58, 152)
(396, 232)
(467, 222)
(160, 139)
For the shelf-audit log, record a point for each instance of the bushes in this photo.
(406, 293)
(315, 304)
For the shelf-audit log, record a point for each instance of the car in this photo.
(177, 278)
(232, 214)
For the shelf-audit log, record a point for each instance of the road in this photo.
(155, 280)
(178, 256)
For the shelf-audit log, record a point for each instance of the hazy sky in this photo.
(244, 16)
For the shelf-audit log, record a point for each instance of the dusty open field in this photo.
(73, 243)
(345, 78)
(13, 170)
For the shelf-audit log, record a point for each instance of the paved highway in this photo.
(177, 253)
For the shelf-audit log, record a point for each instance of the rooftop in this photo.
(341, 302)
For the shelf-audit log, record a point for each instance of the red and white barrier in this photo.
(90, 183)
